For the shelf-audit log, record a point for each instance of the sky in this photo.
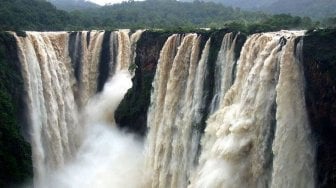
(103, 2)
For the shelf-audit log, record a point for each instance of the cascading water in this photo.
(294, 152)
(50, 102)
(257, 133)
(170, 131)
(266, 97)
(107, 155)
(87, 51)
(178, 105)
(224, 70)
(58, 125)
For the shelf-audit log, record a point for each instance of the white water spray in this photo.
(108, 157)
(168, 150)
(51, 109)
(237, 145)
(64, 133)
(258, 135)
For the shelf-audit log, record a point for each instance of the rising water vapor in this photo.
(265, 105)
(256, 133)
(108, 157)
(178, 106)
(70, 122)
(51, 110)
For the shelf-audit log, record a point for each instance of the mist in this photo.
(107, 2)
(108, 156)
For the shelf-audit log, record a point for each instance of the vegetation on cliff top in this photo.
(31, 15)
(70, 5)
(41, 15)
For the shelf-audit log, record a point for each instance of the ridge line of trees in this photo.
(40, 15)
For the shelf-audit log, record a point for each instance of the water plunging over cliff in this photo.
(57, 88)
(258, 134)
(251, 130)
(171, 133)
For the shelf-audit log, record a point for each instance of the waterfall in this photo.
(107, 155)
(50, 102)
(265, 105)
(293, 148)
(157, 98)
(169, 144)
(90, 49)
(224, 70)
(250, 130)
(178, 106)
(58, 86)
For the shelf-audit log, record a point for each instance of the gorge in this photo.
(159, 109)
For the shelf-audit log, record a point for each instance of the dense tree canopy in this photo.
(70, 5)
(315, 9)
(31, 15)
(41, 15)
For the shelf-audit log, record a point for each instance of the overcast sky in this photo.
(103, 2)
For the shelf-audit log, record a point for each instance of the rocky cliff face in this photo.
(15, 152)
(320, 71)
(132, 112)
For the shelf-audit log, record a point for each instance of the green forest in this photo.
(42, 16)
